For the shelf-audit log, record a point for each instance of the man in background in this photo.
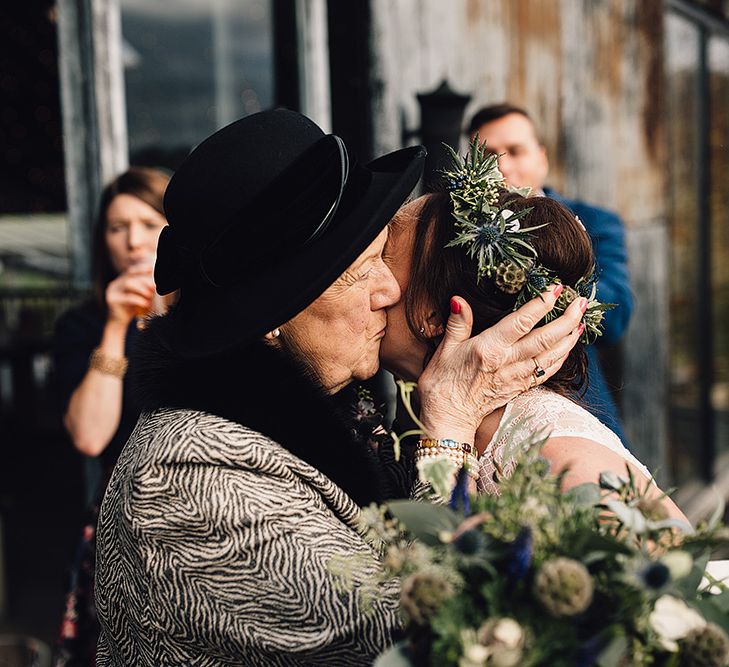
(510, 133)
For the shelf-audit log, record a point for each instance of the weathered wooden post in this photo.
(94, 114)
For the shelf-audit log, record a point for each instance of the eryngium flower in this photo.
(422, 593)
(471, 543)
(655, 575)
(564, 587)
(705, 647)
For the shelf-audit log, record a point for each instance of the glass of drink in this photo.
(157, 304)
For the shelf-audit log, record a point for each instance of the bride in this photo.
(495, 247)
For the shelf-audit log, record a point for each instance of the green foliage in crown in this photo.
(499, 240)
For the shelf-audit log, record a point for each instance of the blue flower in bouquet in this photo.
(655, 575)
(459, 497)
(495, 589)
(521, 559)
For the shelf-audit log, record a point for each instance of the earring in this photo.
(276, 332)
(422, 330)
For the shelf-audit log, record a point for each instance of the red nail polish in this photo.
(558, 290)
(583, 304)
(455, 307)
(580, 329)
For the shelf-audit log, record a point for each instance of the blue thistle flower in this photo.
(585, 289)
(460, 493)
(488, 235)
(470, 543)
(521, 560)
(655, 575)
(537, 282)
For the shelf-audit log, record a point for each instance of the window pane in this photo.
(192, 66)
(682, 58)
(719, 142)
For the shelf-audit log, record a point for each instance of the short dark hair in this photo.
(494, 112)
(144, 183)
(438, 272)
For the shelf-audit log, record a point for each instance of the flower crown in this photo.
(500, 243)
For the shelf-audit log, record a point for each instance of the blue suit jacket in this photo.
(608, 241)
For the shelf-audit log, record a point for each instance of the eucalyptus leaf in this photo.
(690, 584)
(711, 613)
(584, 495)
(594, 557)
(614, 653)
(588, 540)
(721, 601)
(425, 521)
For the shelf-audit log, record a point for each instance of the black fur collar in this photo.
(260, 388)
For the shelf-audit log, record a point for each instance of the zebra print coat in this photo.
(218, 526)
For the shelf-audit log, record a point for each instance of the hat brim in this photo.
(208, 322)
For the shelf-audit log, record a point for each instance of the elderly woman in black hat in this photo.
(241, 480)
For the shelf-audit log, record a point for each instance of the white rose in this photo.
(508, 632)
(505, 657)
(673, 619)
(474, 655)
(503, 639)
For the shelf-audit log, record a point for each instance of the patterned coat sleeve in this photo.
(238, 563)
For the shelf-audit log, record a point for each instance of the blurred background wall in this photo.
(630, 98)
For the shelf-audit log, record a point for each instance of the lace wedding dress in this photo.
(540, 409)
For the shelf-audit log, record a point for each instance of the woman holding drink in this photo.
(94, 339)
(91, 347)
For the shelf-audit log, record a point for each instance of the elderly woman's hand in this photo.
(469, 378)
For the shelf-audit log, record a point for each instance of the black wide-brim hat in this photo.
(264, 216)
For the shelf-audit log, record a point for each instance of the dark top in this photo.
(78, 332)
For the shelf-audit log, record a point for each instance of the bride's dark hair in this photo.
(437, 273)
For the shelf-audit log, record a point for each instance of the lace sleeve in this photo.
(543, 410)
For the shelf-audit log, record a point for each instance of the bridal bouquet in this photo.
(596, 576)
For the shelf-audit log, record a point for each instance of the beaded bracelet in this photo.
(454, 445)
(460, 453)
